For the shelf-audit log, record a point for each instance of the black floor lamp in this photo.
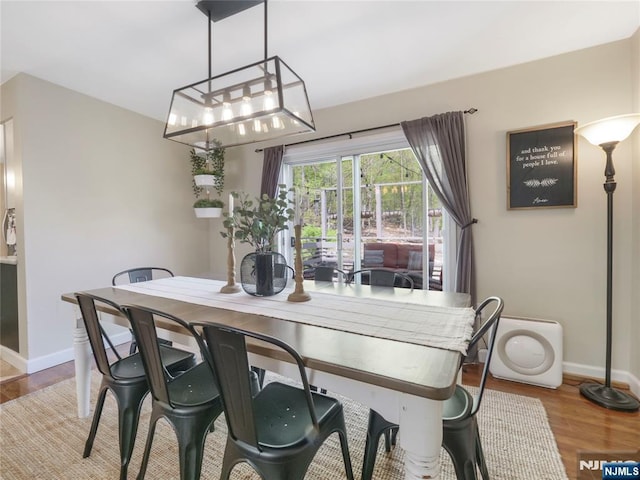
(607, 133)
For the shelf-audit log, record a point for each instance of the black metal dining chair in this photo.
(381, 277)
(140, 274)
(123, 376)
(136, 275)
(328, 274)
(279, 430)
(461, 437)
(282, 270)
(190, 402)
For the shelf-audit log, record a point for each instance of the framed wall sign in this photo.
(541, 167)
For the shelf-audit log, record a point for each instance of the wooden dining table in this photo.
(391, 349)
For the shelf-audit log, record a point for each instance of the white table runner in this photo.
(441, 327)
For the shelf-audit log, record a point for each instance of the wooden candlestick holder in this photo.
(231, 286)
(298, 295)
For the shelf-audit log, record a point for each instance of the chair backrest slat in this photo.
(145, 331)
(229, 353)
(95, 332)
(140, 274)
(143, 322)
(380, 277)
(323, 274)
(490, 326)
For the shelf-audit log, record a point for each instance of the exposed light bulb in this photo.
(227, 114)
(267, 87)
(268, 100)
(207, 118)
(246, 93)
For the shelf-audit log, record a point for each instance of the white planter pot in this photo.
(205, 180)
(208, 212)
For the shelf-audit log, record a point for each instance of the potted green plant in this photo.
(208, 207)
(207, 169)
(258, 224)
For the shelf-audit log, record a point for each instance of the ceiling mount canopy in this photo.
(257, 102)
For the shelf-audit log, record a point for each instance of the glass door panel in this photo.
(317, 195)
(346, 234)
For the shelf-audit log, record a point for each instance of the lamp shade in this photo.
(254, 103)
(609, 130)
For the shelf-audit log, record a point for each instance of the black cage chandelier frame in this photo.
(257, 102)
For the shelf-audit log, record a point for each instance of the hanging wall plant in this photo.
(208, 208)
(207, 169)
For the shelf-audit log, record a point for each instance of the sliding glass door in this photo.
(369, 210)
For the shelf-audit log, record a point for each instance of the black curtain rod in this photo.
(471, 111)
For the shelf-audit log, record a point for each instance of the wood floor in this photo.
(577, 423)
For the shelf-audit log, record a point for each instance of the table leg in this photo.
(82, 357)
(420, 437)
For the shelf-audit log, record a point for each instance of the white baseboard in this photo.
(598, 372)
(56, 358)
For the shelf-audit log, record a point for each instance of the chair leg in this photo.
(192, 433)
(387, 441)
(260, 372)
(378, 425)
(394, 435)
(460, 443)
(482, 463)
(128, 416)
(345, 455)
(96, 420)
(227, 460)
(147, 447)
(390, 438)
(134, 346)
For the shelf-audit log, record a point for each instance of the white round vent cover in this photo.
(528, 351)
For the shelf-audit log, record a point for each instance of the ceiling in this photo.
(135, 53)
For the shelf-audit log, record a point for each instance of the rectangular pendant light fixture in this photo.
(261, 101)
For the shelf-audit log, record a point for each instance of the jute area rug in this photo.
(41, 438)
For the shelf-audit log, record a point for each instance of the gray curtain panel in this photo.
(271, 170)
(438, 142)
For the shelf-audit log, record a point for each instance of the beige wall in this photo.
(546, 263)
(101, 191)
